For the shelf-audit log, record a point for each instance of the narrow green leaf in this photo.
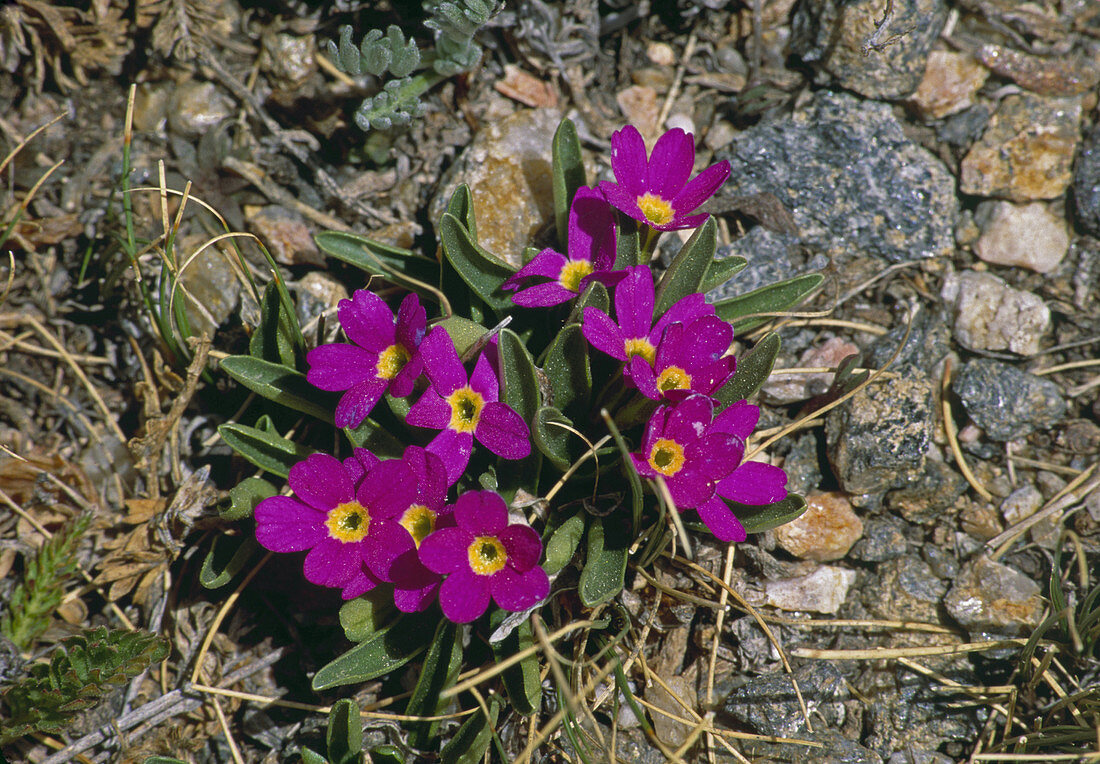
(267, 451)
(227, 557)
(465, 334)
(632, 476)
(563, 544)
(605, 566)
(344, 737)
(773, 298)
(552, 441)
(567, 368)
(520, 385)
(764, 517)
(309, 756)
(274, 340)
(521, 681)
(440, 669)
(281, 384)
(362, 617)
(376, 258)
(568, 174)
(722, 270)
(472, 740)
(628, 249)
(753, 370)
(375, 438)
(389, 649)
(482, 271)
(461, 206)
(387, 754)
(688, 269)
(244, 497)
(594, 296)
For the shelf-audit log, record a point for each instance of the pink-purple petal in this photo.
(689, 419)
(546, 263)
(591, 228)
(412, 322)
(700, 188)
(755, 483)
(387, 490)
(321, 482)
(481, 513)
(519, 591)
(402, 384)
(628, 159)
(687, 309)
(622, 200)
(441, 361)
(523, 546)
(716, 453)
(454, 449)
(739, 418)
(430, 411)
(367, 320)
(338, 366)
(359, 463)
(286, 525)
(721, 521)
(671, 163)
(543, 295)
(385, 543)
(429, 475)
(333, 562)
(358, 402)
(464, 595)
(634, 298)
(446, 550)
(501, 430)
(360, 583)
(602, 333)
(484, 379)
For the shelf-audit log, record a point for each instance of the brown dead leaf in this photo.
(525, 88)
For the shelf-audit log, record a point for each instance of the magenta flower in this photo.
(700, 461)
(415, 586)
(656, 190)
(383, 357)
(690, 359)
(483, 557)
(634, 339)
(350, 532)
(591, 256)
(464, 408)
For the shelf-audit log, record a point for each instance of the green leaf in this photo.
(721, 270)
(563, 544)
(266, 450)
(567, 368)
(461, 206)
(753, 370)
(245, 496)
(628, 244)
(227, 556)
(439, 672)
(312, 757)
(472, 740)
(375, 438)
(281, 384)
(632, 476)
(277, 337)
(344, 737)
(521, 681)
(551, 441)
(363, 617)
(764, 517)
(773, 298)
(465, 334)
(520, 385)
(568, 175)
(390, 648)
(686, 272)
(594, 296)
(387, 754)
(163, 760)
(376, 258)
(605, 566)
(482, 271)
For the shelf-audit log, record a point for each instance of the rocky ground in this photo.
(937, 160)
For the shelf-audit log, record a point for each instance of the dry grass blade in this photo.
(953, 434)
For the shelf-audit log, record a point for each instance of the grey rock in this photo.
(926, 346)
(211, 282)
(883, 539)
(878, 439)
(197, 107)
(769, 705)
(1006, 402)
(988, 314)
(803, 465)
(990, 598)
(851, 179)
(318, 292)
(1086, 183)
(911, 756)
(773, 256)
(836, 749)
(906, 589)
(1021, 235)
(843, 39)
(963, 129)
(942, 562)
(915, 717)
(924, 499)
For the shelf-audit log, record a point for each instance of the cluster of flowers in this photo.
(367, 521)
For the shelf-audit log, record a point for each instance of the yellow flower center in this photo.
(391, 361)
(640, 346)
(348, 522)
(666, 457)
(572, 273)
(656, 210)
(466, 405)
(673, 378)
(419, 521)
(487, 555)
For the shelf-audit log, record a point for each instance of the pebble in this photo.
(1026, 151)
(785, 389)
(883, 539)
(1086, 183)
(803, 464)
(318, 292)
(910, 756)
(878, 439)
(1021, 504)
(769, 705)
(950, 81)
(1080, 436)
(211, 280)
(661, 53)
(924, 499)
(905, 589)
(197, 107)
(507, 167)
(638, 103)
(836, 37)
(822, 591)
(285, 233)
(897, 202)
(980, 520)
(991, 598)
(289, 58)
(928, 343)
(825, 531)
(1022, 235)
(1005, 402)
(670, 731)
(1052, 76)
(988, 314)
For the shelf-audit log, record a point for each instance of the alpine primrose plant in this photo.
(420, 530)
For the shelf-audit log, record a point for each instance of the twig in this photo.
(677, 80)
